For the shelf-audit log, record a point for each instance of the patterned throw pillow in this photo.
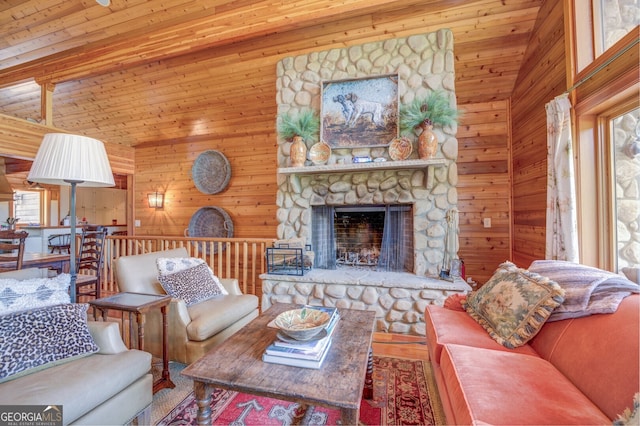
(192, 285)
(19, 295)
(40, 338)
(514, 304)
(171, 265)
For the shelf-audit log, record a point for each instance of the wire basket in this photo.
(211, 172)
(211, 222)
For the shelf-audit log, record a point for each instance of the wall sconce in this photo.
(156, 200)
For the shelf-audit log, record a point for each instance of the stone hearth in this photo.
(399, 299)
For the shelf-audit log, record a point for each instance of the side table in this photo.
(139, 304)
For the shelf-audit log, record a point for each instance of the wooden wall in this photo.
(246, 135)
(249, 198)
(484, 187)
(542, 77)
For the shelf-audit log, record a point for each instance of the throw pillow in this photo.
(19, 295)
(171, 265)
(40, 338)
(192, 285)
(514, 304)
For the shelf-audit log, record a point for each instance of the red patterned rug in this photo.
(404, 394)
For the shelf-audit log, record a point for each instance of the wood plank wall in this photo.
(484, 187)
(249, 198)
(247, 137)
(542, 77)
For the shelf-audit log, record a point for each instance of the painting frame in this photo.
(360, 112)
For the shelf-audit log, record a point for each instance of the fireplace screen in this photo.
(378, 237)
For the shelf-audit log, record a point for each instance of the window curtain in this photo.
(562, 227)
(392, 250)
(323, 238)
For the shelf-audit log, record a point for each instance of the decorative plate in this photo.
(211, 172)
(400, 149)
(319, 153)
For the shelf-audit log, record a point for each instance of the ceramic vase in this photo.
(298, 152)
(427, 142)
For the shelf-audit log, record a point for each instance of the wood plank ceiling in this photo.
(144, 71)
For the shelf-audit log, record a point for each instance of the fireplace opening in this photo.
(376, 237)
(358, 233)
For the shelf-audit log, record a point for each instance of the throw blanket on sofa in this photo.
(588, 290)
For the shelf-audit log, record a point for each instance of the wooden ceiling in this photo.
(143, 71)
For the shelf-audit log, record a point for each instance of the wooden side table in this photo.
(139, 304)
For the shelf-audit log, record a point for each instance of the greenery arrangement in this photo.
(305, 124)
(434, 109)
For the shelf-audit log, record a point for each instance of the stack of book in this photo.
(307, 354)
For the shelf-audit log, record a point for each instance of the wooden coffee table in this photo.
(237, 365)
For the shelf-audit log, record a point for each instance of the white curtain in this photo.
(562, 222)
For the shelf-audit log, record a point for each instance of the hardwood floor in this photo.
(400, 346)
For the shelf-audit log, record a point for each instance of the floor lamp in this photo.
(65, 159)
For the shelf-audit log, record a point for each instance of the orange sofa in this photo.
(574, 371)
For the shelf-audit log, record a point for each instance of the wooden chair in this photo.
(59, 243)
(89, 264)
(12, 249)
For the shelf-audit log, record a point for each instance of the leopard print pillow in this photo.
(192, 285)
(40, 338)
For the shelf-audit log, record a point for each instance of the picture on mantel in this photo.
(359, 113)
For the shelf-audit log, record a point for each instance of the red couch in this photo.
(574, 371)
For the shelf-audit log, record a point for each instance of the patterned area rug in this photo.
(404, 394)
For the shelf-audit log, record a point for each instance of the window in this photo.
(600, 26)
(605, 92)
(28, 207)
(624, 133)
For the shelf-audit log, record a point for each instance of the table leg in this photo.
(350, 417)
(202, 393)
(140, 321)
(367, 392)
(165, 380)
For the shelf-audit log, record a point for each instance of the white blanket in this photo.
(588, 290)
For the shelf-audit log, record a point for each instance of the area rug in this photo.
(404, 394)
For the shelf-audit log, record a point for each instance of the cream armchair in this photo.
(192, 330)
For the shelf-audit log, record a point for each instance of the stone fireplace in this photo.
(425, 190)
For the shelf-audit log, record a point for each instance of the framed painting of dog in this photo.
(358, 113)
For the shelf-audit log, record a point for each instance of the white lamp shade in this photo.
(64, 158)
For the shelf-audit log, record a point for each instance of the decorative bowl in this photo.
(302, 324)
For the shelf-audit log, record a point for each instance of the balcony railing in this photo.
(240, 258)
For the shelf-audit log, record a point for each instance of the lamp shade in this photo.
(63, 158)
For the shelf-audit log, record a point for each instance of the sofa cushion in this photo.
(514, 304)
(598, 353)
(36, 339)
(445, 326)
(500, 387)
(214, 315)
(193, 285)
(81, 385)
(31, 293)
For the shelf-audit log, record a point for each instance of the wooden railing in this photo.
(240, 258)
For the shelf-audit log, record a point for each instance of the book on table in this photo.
(297, 362)
(309, 354)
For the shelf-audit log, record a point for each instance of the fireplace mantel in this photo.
(427, 165)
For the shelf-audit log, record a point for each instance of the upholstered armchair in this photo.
(193, 328)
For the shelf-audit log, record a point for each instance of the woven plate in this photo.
(211, 172)
(211, 222)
